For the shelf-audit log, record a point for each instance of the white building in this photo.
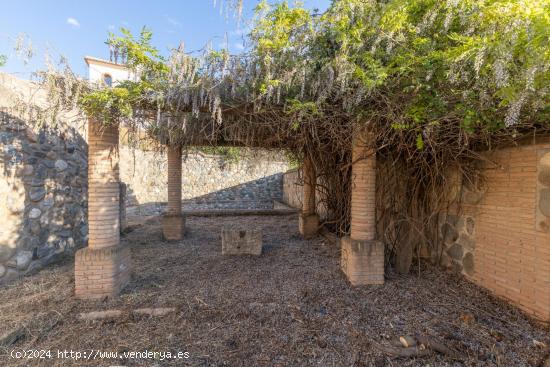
(108, 72)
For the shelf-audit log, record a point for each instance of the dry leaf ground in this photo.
(289, 307)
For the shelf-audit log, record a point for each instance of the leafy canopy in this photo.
(405, 65)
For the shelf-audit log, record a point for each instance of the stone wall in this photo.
(292, 189)
(42, 195)
(255, 177)
(43, 181)
(500, 237)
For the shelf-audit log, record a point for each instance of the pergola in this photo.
(103, 268)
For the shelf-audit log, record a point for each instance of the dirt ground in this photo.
(289, 307)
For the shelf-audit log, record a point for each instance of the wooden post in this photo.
(103, 268)
(173, 222)
(362, 255)
(309, 220)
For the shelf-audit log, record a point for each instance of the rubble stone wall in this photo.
(254, 177)
(43, 190)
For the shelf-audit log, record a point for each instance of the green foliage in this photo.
(108, 105)
(229, 154)
(484, 65)
(295, 106)
(417, 66)
(2, 60)
(280, 28)
(419, 142)
(112, 105)
(280, 37)
(141, 56)
(293, 160)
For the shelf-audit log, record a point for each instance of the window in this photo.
(108, 80)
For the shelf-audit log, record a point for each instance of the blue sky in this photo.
(75, 28)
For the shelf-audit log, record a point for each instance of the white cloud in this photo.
(172, 21)
(72, 21)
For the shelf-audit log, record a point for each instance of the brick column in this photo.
(309, 220)
(362, 255)
(122, 206)
(173, 222)
(103, 268)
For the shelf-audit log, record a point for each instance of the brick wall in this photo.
(501, 239)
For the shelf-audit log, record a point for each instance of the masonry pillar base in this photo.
(309, 225)
(101, 272)
(173, 227)
(363, 261)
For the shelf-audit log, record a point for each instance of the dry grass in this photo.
(289, 307)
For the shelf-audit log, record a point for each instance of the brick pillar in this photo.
(173, 222)
(362, 255)
(103, 268)
(309, 220)
(122, 206)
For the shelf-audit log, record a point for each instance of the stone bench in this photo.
(241, 241)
